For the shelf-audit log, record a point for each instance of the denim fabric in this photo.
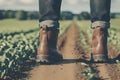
(102, 24)
(49, 23)
(50, 10)
(100, 10)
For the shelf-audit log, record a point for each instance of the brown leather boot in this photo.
(99, 45)
(47, 51)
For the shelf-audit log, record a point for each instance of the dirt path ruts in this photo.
(69, 69)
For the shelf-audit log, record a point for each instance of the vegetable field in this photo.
(19, 41)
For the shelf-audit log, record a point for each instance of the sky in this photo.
(76, 6)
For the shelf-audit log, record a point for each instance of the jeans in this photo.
(50, 12)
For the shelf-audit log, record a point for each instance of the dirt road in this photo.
(71, 68)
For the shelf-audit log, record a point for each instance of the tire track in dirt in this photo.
(70, 68)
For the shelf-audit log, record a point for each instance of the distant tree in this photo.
(113, 15)
(9, 14)
(5, 13)
(84, 16)
(78, 16)
(36, 15)
(1, 14)
(21, 15)
(32, 15)
(29, 15)
(67, 15)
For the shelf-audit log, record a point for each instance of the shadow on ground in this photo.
(69, 61)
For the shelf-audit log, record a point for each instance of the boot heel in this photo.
(99, 58)
(42, 59)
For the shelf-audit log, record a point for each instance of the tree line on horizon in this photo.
(34, 15)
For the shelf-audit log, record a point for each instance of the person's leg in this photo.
(49, 12)
(100, 18)
(49, 25)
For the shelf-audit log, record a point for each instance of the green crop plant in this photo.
(19, 41)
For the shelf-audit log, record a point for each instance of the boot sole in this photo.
(99, 58)
(46, 59)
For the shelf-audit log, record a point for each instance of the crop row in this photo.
(14, 51)
(18, 47)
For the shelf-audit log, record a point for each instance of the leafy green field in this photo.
(12, 25)
(19, 41)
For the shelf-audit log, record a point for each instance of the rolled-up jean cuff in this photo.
(102, 24)
(49, 23)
